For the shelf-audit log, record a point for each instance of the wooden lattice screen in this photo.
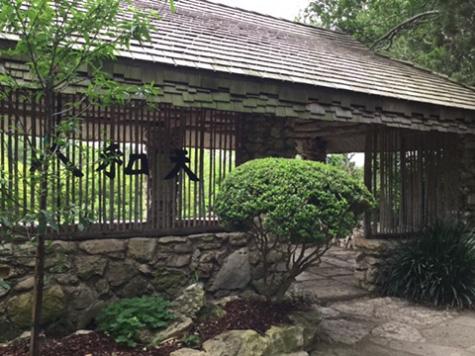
(414, 176)
(118, 171)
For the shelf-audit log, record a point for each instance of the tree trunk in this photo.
(42, 228)
(37, 296)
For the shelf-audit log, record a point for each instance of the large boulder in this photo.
(107, 246)
(284, 339)
(170, 282)
(120, 273)
(184, 307)
(310, 321)
(19, 307)
(278, 340)
(142, 249)
(90, 266)
(80, 297)
(190, 302)
(235, 274)
(175, 331)
(236, 343)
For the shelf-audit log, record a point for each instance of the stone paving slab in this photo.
(395, 326)
(333, 279)
(328, 290)
(367, 349)
(309, 276)
(342, 331)
(467, 319)
(355, 324)
(340, 261)
(421, 348)
(451, 334)
(348, 280)
(331, 272)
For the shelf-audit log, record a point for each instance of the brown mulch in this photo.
(240, 315)
(93, 344)
(246, 314)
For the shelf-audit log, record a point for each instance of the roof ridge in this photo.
(424, 69)
(339, 32)
(205, 35)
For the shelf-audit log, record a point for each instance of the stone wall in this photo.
(265, 137)
(82, 277)
(371, 254)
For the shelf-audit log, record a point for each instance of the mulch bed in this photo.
(240, 315)
(246, 314)
(93, 344)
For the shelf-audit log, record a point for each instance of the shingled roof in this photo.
(215, 37)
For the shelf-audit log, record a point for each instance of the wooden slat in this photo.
(122, 203)
(409, 173)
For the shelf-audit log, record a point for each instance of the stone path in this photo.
(333, 279)
(355, 324)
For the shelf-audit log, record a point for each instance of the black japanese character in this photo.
(110, 156)
(180, 159)
(36, 163)
(137, 157)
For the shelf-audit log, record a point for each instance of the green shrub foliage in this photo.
(292, 209)
(124, 319)
(302, 201)
(438, 267)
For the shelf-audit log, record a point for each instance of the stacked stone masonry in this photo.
(82, 277)
(266, 137)
(371, 254)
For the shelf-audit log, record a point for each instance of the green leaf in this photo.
(172, 6)
(124, 319)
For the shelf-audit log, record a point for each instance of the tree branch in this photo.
(389, 36)
(26, 34)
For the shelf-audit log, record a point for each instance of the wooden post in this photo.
(163, 193)
(368, 173)
(314, 149)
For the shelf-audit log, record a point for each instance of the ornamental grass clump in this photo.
(124, 319)
(292, 209)
(437, 267)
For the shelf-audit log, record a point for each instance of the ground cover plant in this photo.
(437, 267)
(292, 209)
(124, 319)
(239, 314)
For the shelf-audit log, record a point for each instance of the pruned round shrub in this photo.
(124, 319)
(302, 201)
(288, 205)
(437, 267)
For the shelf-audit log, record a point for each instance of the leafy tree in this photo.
(435, 34)
(293, 209)
(55, 39)
(344, 162)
